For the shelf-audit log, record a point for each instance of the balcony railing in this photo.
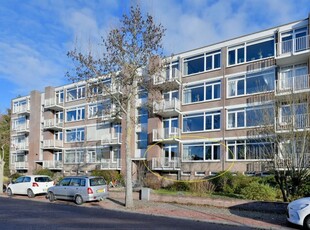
(293, 84)
(25, 108)
(52, 164)
(294, 45)
(52, 144)
(111, 139)
(107, 164)
(172, 133)
(22, 127)
(165, 163)
(23, 146)
(53, 123)
(169, 108)
(19, 165)
(293, 122)
(174, 75)
(53, 103)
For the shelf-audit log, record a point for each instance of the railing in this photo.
(294, 45)
(20, 146)
(22, 127)
(163, 163)
(53, 164)
(293, 84)
(291, 122)
(164, 105)
(52, 144)
(110, 164)
(166, 134)
(19, 165)
(52, 102)
(50, 123)
(22, 108)
(260, 65)
(110, 139)
(297, 161)
(164, 76)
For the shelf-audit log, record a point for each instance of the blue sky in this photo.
(35, 35)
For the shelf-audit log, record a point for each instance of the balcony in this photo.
(56, 165)
(22, 128)
(53, 104)
(164, 163)
(166, 108)
(19, 147)
(293, 122)
(111, 140)
(53, 124)
(173, 76)
(110, 114)
(23, 165)
(296, 50)
(292, 85)
(22, 109)
(52, 144)
(110, 164)
(166, 134)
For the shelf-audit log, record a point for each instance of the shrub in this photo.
(257, 191)
(109, 175)
(46, 172)
(202, 187)
(179, 186)
(152, 181)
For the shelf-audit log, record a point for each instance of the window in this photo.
(169, 96)
(76, 93)
(294, 77)
(236, 86)
(202, 92)
(19, 106)
(202, 121)
(171, 125)
(236, 118)
(74, 156)
(236, 55)
(75, 135)
(142, 116)
(20, 122)
(213, 60)
(75, 114)
(213, 120)
(95, 110)
(294, 41)
(248, 149)
(142, 140)
(203, 151)
(60, 96)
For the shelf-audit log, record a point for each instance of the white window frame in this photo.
(236, 80)
(79, 132)
(203, 144)
(78, 113)
(80, 93)
(236, 48)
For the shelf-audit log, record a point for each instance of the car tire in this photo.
(307, 223)
(30, 193)
(51, 197)
(78, 200)
(9, 192)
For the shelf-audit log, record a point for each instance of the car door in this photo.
(26, 184)
(17, 185)
(60, 190)
(74, 188)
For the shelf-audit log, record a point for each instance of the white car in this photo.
(298, 212)
(30, 185)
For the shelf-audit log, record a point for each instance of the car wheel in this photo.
(51, 197)
(30, 193)
(307, 222)
(9, 192)
(78, 200)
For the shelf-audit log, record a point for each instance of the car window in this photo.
(19, 180)
(75, 182)
(97, 181)
(27, 179)
(42, 179)
(83, 182)
(65, 182)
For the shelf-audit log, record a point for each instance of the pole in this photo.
(1, 169)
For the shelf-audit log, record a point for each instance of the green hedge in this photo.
(257, 191)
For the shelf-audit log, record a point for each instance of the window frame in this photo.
(203, 145)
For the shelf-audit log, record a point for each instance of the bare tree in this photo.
(286, 129)
(128, 62)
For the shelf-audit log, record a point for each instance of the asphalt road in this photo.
(28, 214)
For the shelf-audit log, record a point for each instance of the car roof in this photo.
(34, 176)
(84, 177)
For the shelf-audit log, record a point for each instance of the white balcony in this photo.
(110, 114)
(53, 124)
(52, 144)
(110, 164)
(53, 165)
(166, 134)
(23, 165)
(171, 75)
(110, 139)
(22, 146)
(165, 163)
(53, 104)
(293, 122)
(166, 108)
(22, 109)
(22, 128)
(293, 84)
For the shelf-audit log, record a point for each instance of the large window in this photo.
(201, 63)
(203, 151)
(249, 150)
(202, 121)
(262, 81)
(76, 93)
(75, 114)
(142, 116)
(74, 156)
(202, 92)
(142, 140)
(75, 135)
(236, 55)
(96, 110)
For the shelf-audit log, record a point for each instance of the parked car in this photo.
(30, 185)
(79, 189)
(298, 212)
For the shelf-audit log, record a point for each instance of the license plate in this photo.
(100, 190)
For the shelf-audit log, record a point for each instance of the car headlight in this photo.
(299, 207)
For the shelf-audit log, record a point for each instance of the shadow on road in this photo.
(116, 201)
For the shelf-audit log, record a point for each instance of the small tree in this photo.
(128, 62)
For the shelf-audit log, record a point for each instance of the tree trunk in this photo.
(128, 195)
(2, 163)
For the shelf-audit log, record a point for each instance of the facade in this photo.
(199, 127)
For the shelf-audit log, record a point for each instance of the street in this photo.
(28, 214)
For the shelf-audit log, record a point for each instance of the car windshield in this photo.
(42, 179)
(97, 181)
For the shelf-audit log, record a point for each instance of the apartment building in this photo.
(199, 127)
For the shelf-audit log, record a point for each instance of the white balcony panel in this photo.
(107, 164)
(167, 108)
(293, 84)
(166, 134)
(165, 163)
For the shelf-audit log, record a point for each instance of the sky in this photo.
(35, 35)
